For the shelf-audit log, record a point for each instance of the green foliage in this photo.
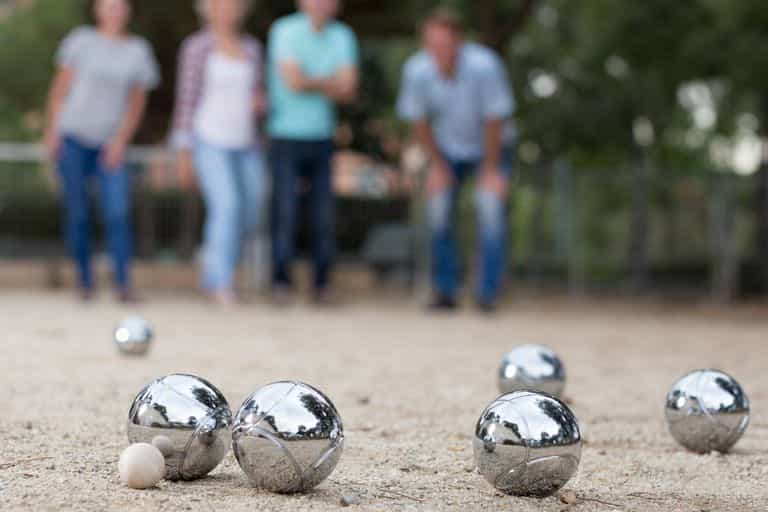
(29, 38)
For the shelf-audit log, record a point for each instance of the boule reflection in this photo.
(527, 444)
(532, 367)
(707, 410)
(288, 437)
(133, 336)
(187, 419)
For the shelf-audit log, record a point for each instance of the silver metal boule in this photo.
(532, 367)
(288, 437)
(133, 336)
(187, 419)
(707, 410)
(527, 444)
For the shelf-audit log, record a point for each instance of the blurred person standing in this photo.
(95, 104)
(313, 63)
(219, 99)
(457, 96)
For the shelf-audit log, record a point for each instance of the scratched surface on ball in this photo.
(527, 444)
(187, 419)
(288, 437)
(707, 411)
(532, 367)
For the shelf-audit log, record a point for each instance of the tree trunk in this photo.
(498, 28)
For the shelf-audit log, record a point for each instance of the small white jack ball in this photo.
(141, 466)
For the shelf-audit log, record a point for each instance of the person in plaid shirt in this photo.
(218, 103)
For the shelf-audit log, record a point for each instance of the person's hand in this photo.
(439, 177)
(113, 156)
(260, 104)
(493, 181)
(52, 144)
(186, 171)
(294, 78)
(333, 87)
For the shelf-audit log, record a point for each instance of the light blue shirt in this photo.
(460, 106)
(319, 54)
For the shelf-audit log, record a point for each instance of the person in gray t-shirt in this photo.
(96, 102)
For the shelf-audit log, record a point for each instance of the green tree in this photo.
(29, 38)
(615, 93)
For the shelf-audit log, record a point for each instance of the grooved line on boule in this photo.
(277, 442)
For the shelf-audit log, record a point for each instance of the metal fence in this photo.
(569, 228)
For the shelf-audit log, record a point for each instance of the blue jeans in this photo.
(309, 160)
(233, 187)
(492, 224)
(78, 164)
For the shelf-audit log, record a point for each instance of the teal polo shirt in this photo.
(319, 54)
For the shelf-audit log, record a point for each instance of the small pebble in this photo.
(364, 400)
(569, 498)
(349, 500)
(141, 466)
(28, 425)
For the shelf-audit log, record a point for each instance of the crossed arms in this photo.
(340, 87)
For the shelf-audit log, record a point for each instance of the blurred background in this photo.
(641, 168)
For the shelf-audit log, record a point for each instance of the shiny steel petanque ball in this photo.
(187, 419)
(133, 336)
(527, 444)
(707, 411)
(532, 367)
(288, 437)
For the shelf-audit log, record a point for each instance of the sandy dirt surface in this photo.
(409, 387)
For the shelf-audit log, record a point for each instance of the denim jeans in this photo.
(233, 187)
(78, 165)
(291, 161)
(492, 229)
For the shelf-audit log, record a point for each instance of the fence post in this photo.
(146, 232)
(761, 221)
(539, 251)
(190, 214)
(639, 224)
(567, 239)
(563, 222)
(725, 257)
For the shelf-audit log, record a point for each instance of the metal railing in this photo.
(568, 227)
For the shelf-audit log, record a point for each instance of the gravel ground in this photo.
(409, 386)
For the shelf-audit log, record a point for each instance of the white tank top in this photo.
(225, 117)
